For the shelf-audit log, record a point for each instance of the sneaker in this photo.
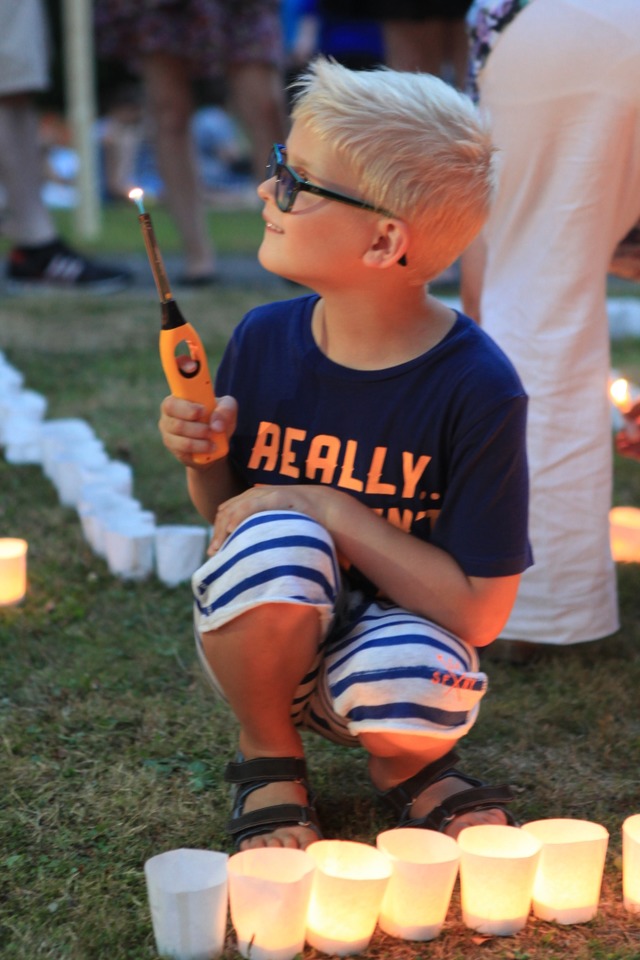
(55, 266)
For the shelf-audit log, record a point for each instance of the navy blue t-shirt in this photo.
(436, 445)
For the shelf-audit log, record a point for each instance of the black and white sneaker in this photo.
(55, 266)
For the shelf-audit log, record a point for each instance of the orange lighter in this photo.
(176, 333)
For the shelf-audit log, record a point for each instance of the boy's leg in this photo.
(410, 691)
(259, 660)
(393, 759)
(264, 603)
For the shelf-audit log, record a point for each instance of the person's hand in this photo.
(314, 500)
(186, 431)
(628, 440)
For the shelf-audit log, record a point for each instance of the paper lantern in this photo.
(348, 887)
(497, 871)
(631, 863)
(269, 890)
(624, 528)
(425, 867)
(13, 570)
(569, 876)
(188, 897)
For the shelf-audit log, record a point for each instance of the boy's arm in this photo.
(414, 574)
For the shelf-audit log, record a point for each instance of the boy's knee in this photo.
(272, 557)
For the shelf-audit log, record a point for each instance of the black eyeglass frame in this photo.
(286, 196)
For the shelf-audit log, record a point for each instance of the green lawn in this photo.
(112, 749)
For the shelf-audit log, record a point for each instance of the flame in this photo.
(137, 193)
(620, 393)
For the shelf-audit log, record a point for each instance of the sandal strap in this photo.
(250, 775)
(266, 769)
(402, 796)
(268, 818)
(476, 798)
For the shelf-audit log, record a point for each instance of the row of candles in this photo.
(113, 522)
(333, 894)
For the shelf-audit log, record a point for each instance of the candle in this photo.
(624, 528)
(631, 863)
(623, 400)
(569, 876)
(13, 570)
(269, 890)
(348, 887)
(497, 871)
(425, 867)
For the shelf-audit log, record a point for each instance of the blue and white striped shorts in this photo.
(379, 669)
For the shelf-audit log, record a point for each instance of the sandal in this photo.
(250, 775)
(478, 796)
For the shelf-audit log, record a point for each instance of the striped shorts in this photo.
(379, 667)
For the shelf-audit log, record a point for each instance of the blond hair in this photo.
(417, 146)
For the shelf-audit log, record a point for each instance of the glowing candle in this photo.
(269, 890)
(623, 400)
(631, 863)
(348, 887)
(13, 570)
(569, 876)
(425, 867)
(497, 871)
(624, 529)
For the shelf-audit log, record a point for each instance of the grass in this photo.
(112, 749)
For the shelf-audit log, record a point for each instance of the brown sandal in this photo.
(250, 775)
(478, 796)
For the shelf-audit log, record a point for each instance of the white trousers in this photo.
(562, 88)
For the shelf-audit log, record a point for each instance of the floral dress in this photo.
(486, 20)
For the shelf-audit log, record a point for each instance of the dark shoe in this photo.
(55, 266)
(478, 796)
(250, 775)
(202, 280)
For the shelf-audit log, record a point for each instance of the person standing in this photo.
(560, 80)
(38, 256)
(173, 45)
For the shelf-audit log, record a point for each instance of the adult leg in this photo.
(170, 102)
(415, 45)
(257, 98)
(29, 222)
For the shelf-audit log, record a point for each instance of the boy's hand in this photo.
(184, 432)
(313, 499)
(628, 441)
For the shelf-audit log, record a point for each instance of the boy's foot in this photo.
(439, 797)
(273, 806)
(55, 266)
(452, 786)
(275, 794)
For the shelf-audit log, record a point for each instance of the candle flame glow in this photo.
(620, 393)
(136, 194)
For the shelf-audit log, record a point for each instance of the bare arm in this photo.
(412, 573)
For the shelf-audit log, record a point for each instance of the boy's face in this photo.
(319, 242)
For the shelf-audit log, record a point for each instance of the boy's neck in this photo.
(377, 335)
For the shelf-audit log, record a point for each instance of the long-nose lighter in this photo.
(192, 384)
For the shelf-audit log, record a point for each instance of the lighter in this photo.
(176, 333)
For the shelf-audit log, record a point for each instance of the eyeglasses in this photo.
(289, 184)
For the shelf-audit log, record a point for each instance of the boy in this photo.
(370, 517)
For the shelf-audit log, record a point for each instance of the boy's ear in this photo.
(389, 244)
